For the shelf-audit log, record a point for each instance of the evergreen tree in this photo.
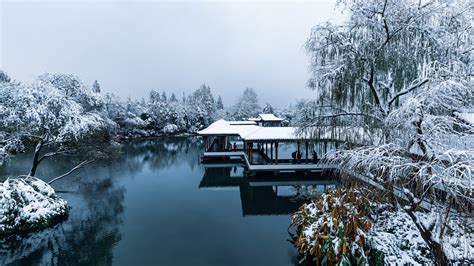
(154, 96)
(96, 87)
(268, 109)
(4, 77)
(163, 97)
(173, 97)
(247, 105)
(219, 104)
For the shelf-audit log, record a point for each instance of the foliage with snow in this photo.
(170, 129)
(324, 226)
(246, 106)
(403, 70)
(333, 228)
(28, 204)
(96, 87)
(268, 109)
(219, 103)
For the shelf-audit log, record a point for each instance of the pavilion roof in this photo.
(269, 117)
(233, 123)
(222, 127)
(250, 132)
(273, 134)
(266, 118)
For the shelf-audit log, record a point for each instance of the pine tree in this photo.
(154, 96)
(96, 87)
(173, 97)
(219, 105)
(268, 109)
(4, 77)
(247, 105)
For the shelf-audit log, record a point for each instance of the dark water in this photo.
(154, 204)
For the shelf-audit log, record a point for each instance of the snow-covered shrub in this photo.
(170, 129)
(3, 156)
(28, 204)
(333, 228)
(14, 145)
(4, 77)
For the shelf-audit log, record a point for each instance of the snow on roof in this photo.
(258, 133)
(269, 117)
(273, 133)
(222, 127)
(233, 123)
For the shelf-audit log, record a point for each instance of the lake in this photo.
(153, 203)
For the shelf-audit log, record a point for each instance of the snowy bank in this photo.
(351, 225)
(28, 204)
(398, 238)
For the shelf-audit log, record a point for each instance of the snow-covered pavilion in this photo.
(267, 120)
(259, 146)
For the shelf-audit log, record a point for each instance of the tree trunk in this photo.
(36, 159)
(435, 247)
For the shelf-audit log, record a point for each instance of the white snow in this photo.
(269, 117)
(28, 203)
(468, 117)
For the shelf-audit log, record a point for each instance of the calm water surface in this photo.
(155, 204)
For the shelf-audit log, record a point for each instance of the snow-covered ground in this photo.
(392, 232)
(467, 116)
(27, 204)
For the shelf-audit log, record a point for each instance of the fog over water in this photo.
(132, 47)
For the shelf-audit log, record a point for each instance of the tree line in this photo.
(57, 111)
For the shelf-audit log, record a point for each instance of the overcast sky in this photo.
(132, 47)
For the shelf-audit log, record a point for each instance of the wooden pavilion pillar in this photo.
(306, 144)
(271, 152)
(251, 151)
(276, 152)
(325, 147)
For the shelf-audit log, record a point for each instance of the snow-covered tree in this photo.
(246, 106)
(52, 111)
(403, 68)
(4, 77)
(164, 98)
(173, 98)
(202, 107)
(385, 51)
(268, 109)
(219, 104)
(154, 96)
(96, 87)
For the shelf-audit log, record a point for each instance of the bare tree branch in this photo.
(414, 87)
(71, 171)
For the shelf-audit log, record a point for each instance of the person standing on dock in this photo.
(315, 157)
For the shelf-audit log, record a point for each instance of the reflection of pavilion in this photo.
(266, 195)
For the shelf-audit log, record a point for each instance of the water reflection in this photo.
(87, 237)
(154, 204)
(270, 194)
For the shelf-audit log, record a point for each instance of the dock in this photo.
(239, 158)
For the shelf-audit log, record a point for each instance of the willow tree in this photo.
(385, 51)
(404, 67)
